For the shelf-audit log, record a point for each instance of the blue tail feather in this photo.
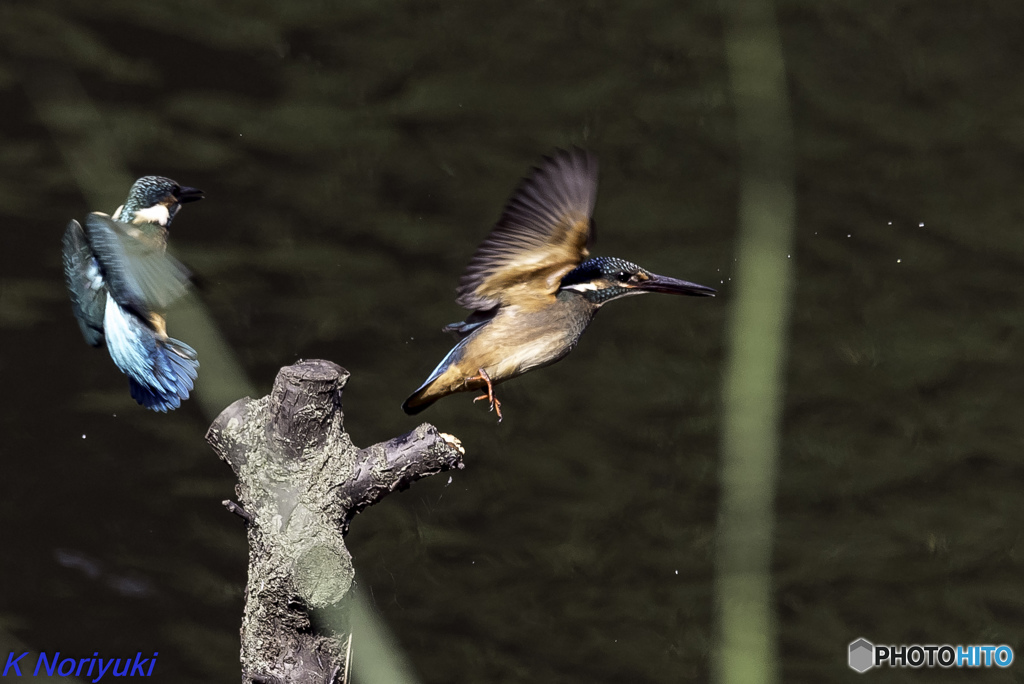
(151, 400)
(161, 372)
(174, 377)
(174, 370)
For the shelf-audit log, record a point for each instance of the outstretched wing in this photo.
(542, 235)
(85, 284)
(140, 274)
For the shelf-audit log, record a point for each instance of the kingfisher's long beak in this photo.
(189, 194)
(658, 283)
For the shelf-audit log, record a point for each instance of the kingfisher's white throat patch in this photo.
(158, 213)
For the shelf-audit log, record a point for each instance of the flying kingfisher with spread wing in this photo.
(530, 292)
(121, 279)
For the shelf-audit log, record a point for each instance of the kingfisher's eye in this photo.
(631, 278)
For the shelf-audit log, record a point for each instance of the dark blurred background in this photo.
(353, 156)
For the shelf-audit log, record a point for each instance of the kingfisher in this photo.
(121, 278)
(530, 292)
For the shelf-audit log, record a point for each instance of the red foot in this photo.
(495, 404)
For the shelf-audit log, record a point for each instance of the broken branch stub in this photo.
(300, 481)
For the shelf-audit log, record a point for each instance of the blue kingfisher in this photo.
(120, 278)
(528, 287)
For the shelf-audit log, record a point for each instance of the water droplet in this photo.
(83, 436)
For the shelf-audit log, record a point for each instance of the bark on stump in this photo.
(300, 482)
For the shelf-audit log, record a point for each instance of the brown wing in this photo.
(542, 235)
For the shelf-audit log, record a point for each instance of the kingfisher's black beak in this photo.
(185, 194)
(667, 285)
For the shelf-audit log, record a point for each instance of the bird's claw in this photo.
(495, 404)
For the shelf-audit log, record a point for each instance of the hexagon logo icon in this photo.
(862, 655)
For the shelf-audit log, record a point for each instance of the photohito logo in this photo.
(864, 655)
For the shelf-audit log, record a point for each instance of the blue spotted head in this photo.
(603, 279)
(155, 199)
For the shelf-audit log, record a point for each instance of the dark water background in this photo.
(354, 154)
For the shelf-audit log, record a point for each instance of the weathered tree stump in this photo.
(300, 482)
